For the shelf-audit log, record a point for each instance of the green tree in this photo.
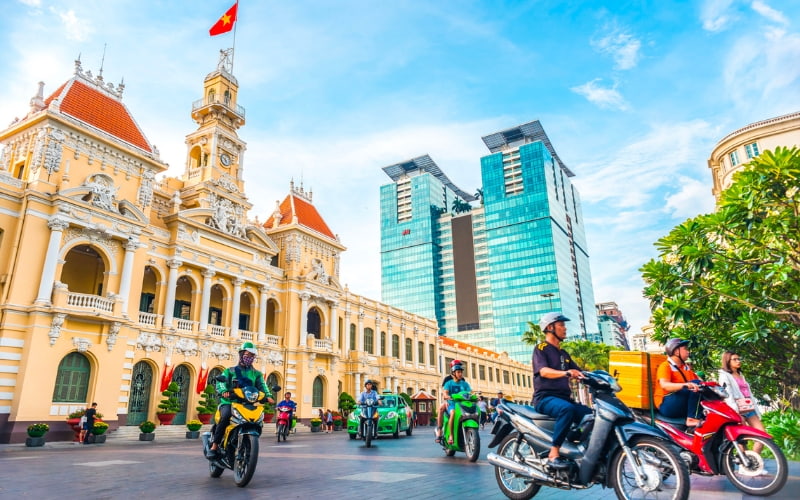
(479, 195)
(533, 335)
(587, 354)
(346, 404)
(731, 279)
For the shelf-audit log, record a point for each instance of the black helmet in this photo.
(368, 381)
(673, 345)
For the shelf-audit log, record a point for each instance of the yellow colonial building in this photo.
(115, 280)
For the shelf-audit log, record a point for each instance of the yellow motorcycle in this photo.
(239, 447)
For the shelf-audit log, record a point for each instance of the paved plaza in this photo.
(307, 466)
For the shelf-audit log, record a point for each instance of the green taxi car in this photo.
(394, 416)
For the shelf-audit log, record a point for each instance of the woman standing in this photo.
(739, 396)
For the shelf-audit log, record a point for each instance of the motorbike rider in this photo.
(368, 394)
(552, 369)
(241, 375)
(676, 392)
(288, 403)
(443, 406)
(456, 385)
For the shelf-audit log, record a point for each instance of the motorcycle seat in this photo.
(680, 421)
(528, 412)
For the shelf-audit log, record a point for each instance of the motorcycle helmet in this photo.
(369, 382)
(456, 367)
(550, 318)
(673, 345)
(249, 347)
(454, 363)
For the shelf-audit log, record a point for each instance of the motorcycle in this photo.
(284, 422)
(465, 427)
(723, 444)
(368, 421)
(608, 448)
(239, 448)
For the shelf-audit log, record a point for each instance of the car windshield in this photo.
(387, 401)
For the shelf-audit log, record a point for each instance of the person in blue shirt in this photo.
(369, 394)
(454, 386)
(287, 402)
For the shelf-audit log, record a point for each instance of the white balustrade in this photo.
(218, 331)
(146, 318)
(185, 325)
(272, 340)
(246, 335)
(86, 301)
(324, 344)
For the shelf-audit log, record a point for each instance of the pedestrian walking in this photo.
(89, 424)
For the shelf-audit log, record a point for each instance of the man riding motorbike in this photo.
(369, 393)
(288, 403)
(243, 374)
(454, 386)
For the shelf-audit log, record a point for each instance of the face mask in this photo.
(246, 359)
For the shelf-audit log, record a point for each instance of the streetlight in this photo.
(549, 299)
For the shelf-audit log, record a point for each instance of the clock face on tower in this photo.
(225, 159)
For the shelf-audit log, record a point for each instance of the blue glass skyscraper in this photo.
(485, 272)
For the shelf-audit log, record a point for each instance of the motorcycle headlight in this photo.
(251, 394)
(235, 415)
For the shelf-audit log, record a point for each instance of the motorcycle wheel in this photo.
(667, 475)
(244, 465)
(472, 443)
(281, 432)
(368, 434)
(765, 473)
(512, 485)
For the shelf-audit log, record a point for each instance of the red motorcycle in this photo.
(723, 444)
(284, 422)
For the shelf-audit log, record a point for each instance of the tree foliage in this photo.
(586, 354)
(731, 279)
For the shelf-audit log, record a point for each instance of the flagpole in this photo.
(233, 49)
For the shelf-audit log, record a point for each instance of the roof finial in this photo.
(102, 63)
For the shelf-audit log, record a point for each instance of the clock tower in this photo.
(214, 158)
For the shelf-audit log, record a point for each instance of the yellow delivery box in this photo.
(636, 373)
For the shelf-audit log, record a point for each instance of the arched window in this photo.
(383, 343)
(396, 346)
(313, 324)
(317, 393)
(410, 391)
(409, 350)
(72, 379)
(369, 340)
(272, 381)
(352, 337)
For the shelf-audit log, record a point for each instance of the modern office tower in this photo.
(484, 272)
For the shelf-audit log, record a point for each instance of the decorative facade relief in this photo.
(144, 196)
(149, 342)
(102, 192)
(220, 351)
(55, 327)
(227, 216)
(187, 347)
(47, 150)
(226, 182)
(318, 273)
(275, 357)
(81, 344)
(185, 235)
(292, 248)
(113, 331)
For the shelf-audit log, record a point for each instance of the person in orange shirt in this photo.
(676, 393)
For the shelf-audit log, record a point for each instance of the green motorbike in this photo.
(465, 427)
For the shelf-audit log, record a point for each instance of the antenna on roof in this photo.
(103, 60)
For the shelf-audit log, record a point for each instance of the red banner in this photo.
(166, 377)
(202, 380)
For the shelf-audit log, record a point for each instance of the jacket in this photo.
(734, 392)
(251, 375)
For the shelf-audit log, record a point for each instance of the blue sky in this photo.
(634, 96)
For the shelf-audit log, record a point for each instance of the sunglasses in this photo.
(737, 359)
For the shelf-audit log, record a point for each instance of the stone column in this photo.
(262, 313)
(378, 341)
(358, 385)
(48, 278)
(360, 332)
(301, 342)
(334, 325)
(172, 282)
(127, 270)
(237, 292)
(205, 299)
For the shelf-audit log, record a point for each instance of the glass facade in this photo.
(528, 242)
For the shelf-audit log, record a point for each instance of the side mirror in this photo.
(276, 388)
(220, 378)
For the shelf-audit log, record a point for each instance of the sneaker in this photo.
(557, 463)
(212, 454)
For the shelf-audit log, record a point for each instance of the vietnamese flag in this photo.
(225, 23)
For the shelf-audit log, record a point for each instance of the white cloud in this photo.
(770, 13)
(623, 47)
(715, 15)
(604, 97)
(692, 199)
(76, 29)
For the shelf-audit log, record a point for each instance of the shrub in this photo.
(194, 425)
(316, 422)
(208, 401)
(784, 427)
(38, 430)
(99, 428)
(170, 403)
(147, 427)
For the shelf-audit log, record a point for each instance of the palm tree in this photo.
(479, 195)
(587, 354)
(533, 335)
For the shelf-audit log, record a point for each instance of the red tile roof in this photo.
(463, 345)
(307, 216)
(97, 108)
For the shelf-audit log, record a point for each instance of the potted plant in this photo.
(194, 429)
(170, 405)
(98, 432)
(74, 419)
(207, 405)
(316, 424)
(269, 412)
(147, 427)
(36, 434)
(337, 421)
(346, 404)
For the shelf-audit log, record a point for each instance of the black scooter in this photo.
(608, 448)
